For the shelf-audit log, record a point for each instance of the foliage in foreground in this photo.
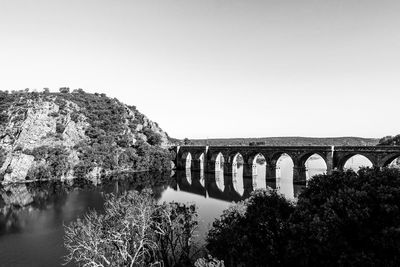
(253, 231)
(133, 231)
(342, 219)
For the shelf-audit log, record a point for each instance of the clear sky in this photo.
(217, 68)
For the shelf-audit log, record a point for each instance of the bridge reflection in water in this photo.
(214, 192)
(230, 187)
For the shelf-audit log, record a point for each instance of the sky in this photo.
(217, 68)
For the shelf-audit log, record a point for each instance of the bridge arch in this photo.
(355, 161)
(389, 160)
(219, 180)
(259, 171)
(284, 165)
(218, 160)
(314, 163)
(277, 155)
(237, 166)
(188, 176)
(236, 162)
(238, 183)
(199, 161)
(185, 161)
(258, 159)
(306, 156)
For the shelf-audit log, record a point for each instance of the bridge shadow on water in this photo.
(229, 187)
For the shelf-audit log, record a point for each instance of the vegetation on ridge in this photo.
(390, 141)
(285, 141)
(91, 133)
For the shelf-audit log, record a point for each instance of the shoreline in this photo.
(3, 184)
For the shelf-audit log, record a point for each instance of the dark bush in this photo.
(60, 128)
(56, 159)
(75, 117)
(390, 141)
(64, 90)
(349, 220)
(54, 114)
(342, 219)
(253, 232)
(2, 156)
(153, 138)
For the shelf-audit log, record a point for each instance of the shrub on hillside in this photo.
(60, 128)
(56, 159)
(390, 141)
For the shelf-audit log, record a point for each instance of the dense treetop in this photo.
(342, 219)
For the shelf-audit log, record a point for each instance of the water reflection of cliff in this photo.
(22, 204)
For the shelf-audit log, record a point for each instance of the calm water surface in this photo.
(33, 235)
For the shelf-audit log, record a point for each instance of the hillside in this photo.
(289, 141)
(68, 135)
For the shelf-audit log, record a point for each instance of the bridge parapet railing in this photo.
(368, 148)
(262, 147)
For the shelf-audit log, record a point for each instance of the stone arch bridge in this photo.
(335, 157)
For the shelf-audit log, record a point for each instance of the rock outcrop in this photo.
(16, 195)
(16, 167)
(57, 135)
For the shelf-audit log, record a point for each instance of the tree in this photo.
(390, 141)
(153, 138)
(348, 219)
(341, 219)
(64, 90)
(79, 91)
(186, 141)
(176, 247)
(254, 232)
(133, 231)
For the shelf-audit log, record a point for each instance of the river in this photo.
(32, 235)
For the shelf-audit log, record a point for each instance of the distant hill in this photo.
(289, 141)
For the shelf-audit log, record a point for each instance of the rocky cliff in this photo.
(65, 135)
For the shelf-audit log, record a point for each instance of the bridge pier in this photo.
(270, 172)
(247, 185)
(299, 175)
(228, 168)
(329, 162)
(210, 166)
(180, 165)
(196, 165)
(248, 169)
